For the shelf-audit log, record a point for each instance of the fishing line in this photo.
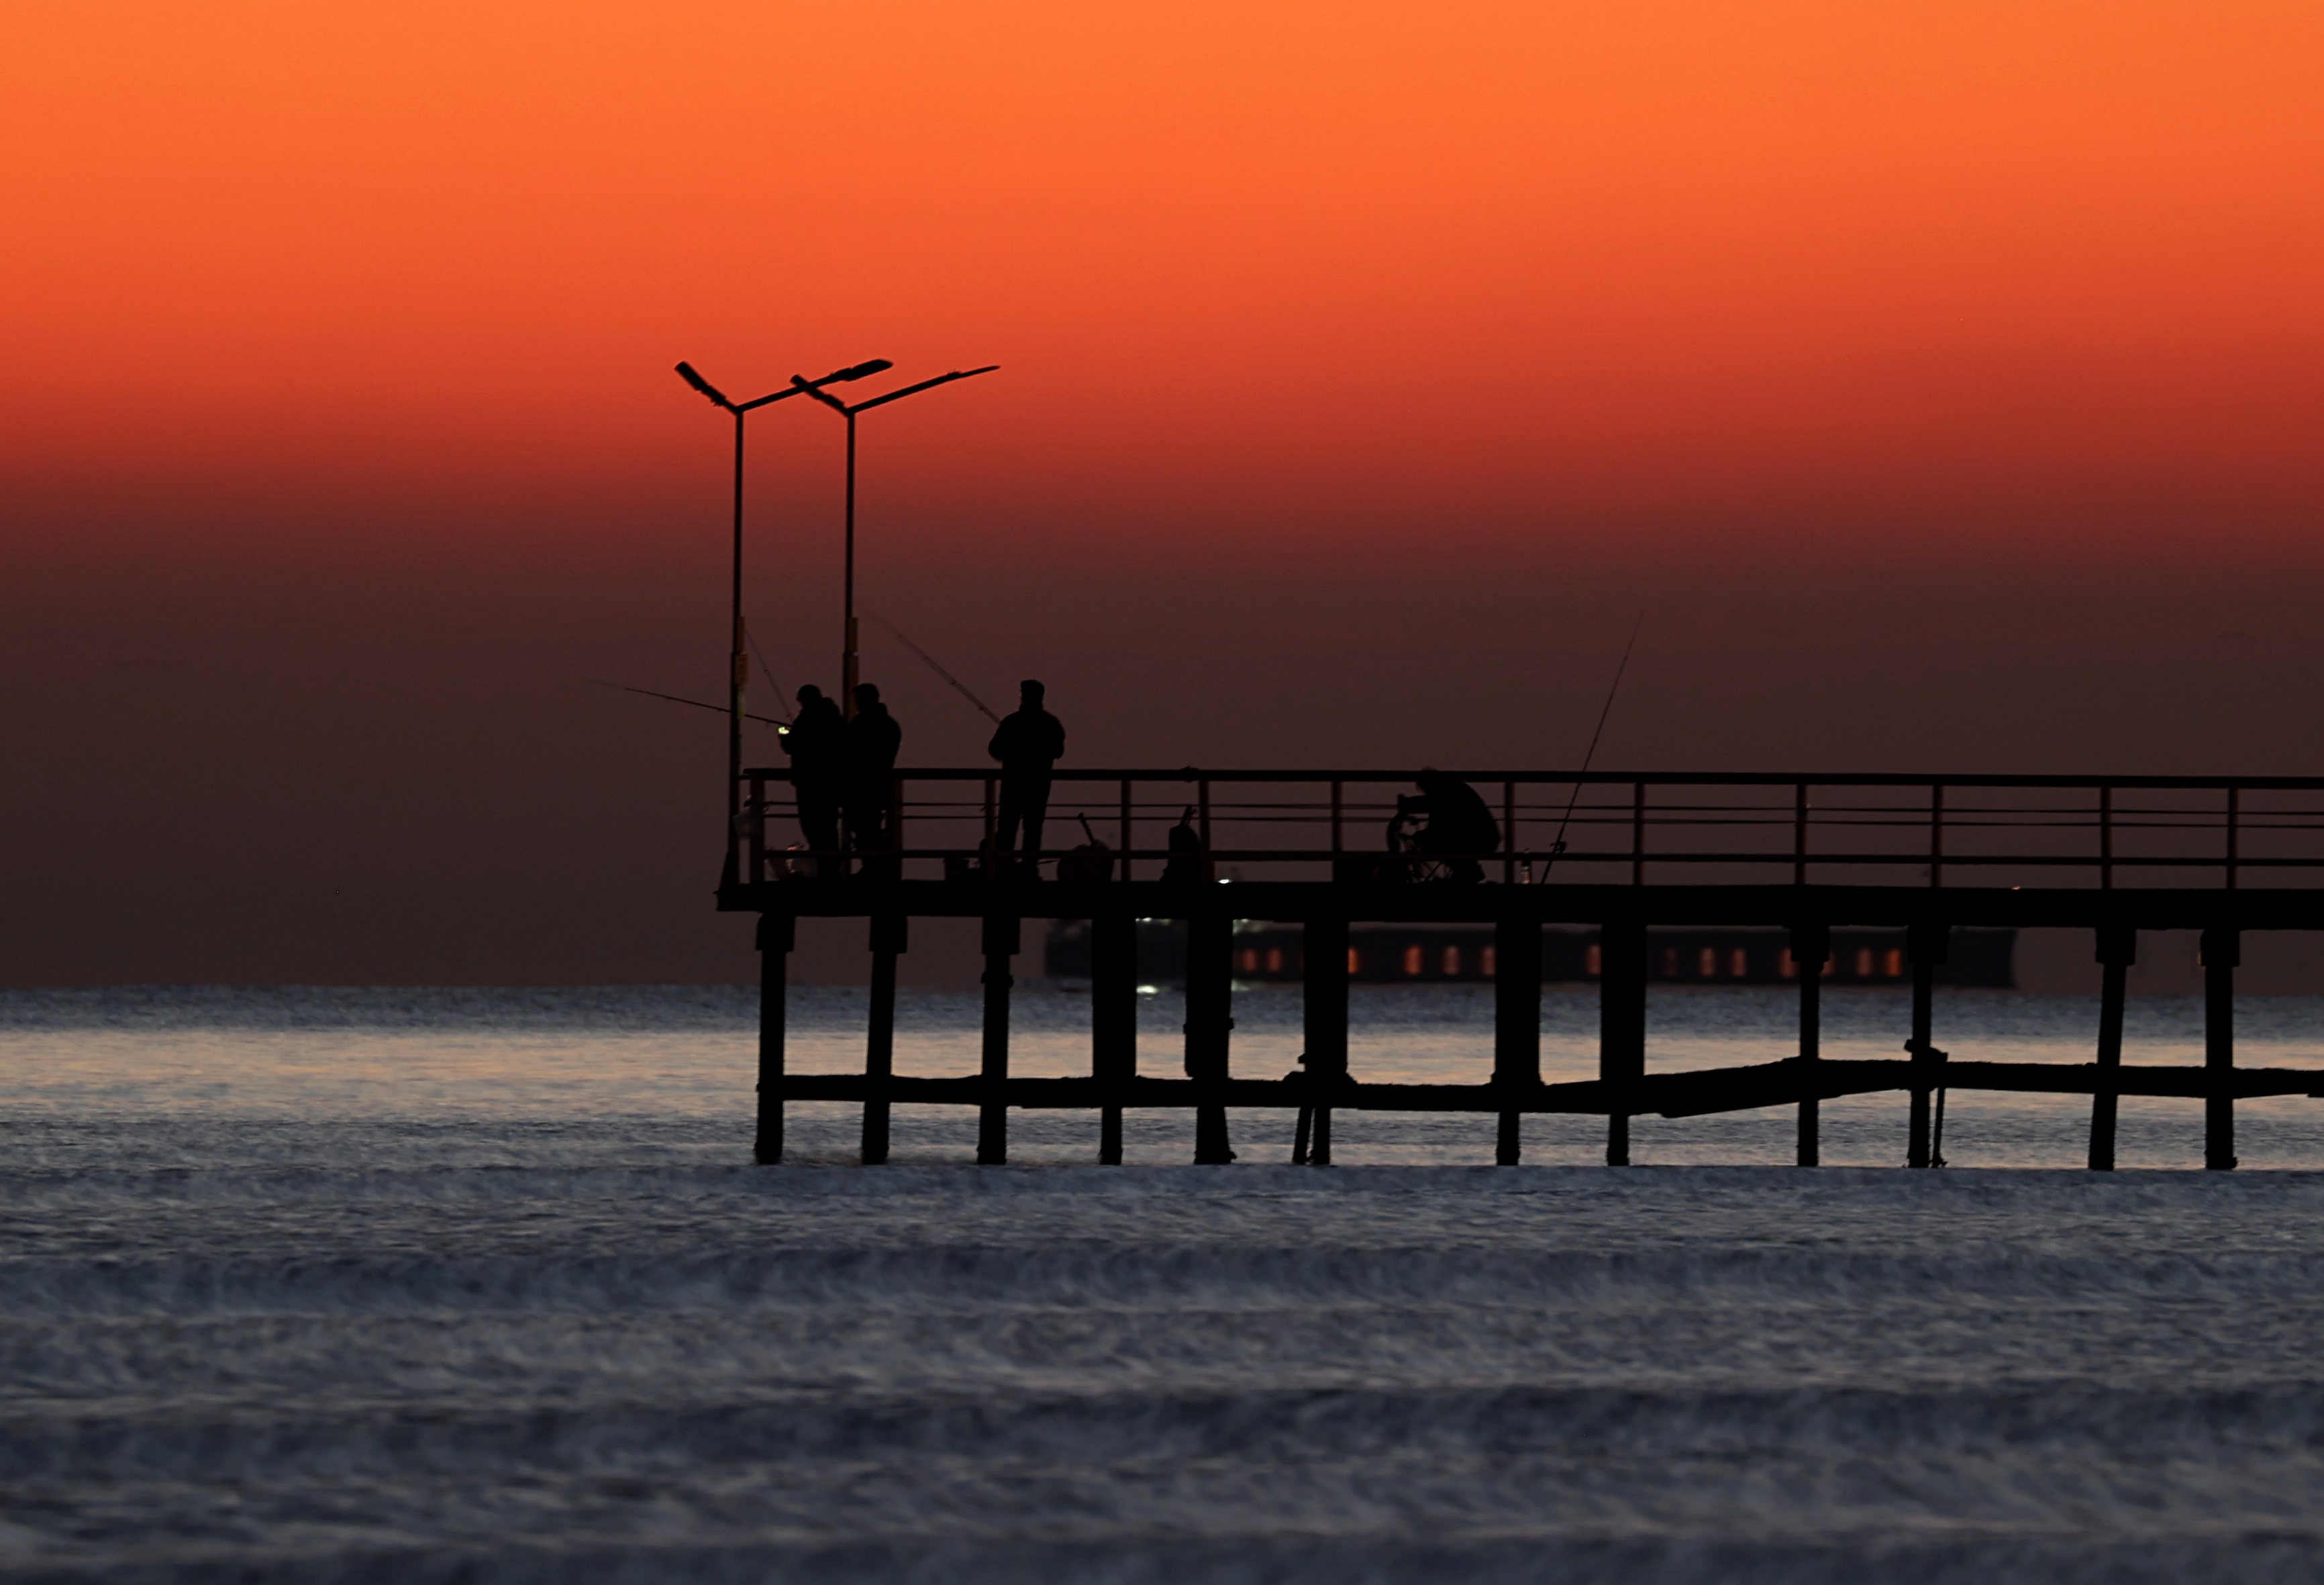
(1557, 846)
(933, 665)
(674, 699)
(765, 670)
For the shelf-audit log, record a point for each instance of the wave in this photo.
(1253, 1424)
(329, 1352)
(1206, 1276)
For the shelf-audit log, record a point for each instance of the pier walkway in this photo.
(1618, 852)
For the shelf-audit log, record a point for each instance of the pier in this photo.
(1617, 852)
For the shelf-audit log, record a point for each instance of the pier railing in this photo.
(2116, 856)
(1599, 827)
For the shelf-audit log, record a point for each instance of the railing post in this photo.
(1936, 834)
(1925, 945)
(2117, 951)
(2105, 842)
(1324, 970)
(1637, 838)
(1210, 1020)
(1338, 809)
(1202, 809)
(1517, 1025)
(1125, 828)
(1113, 1022)
(1001, 943)
(1800, 834)
(2234, 798)
(2222, 951)
(1811, 949)
(890, 938)
(777, 935)
(1508, 833)
(1621, 1026)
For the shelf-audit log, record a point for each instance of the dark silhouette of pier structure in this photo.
(2118, 857)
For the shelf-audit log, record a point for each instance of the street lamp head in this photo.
(803, 386)
(685, 372)
(876, 366)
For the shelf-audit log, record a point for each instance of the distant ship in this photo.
(1425, 955)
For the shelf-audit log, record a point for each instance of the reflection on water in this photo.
(688, 1054)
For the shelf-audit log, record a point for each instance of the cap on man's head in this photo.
(1030, 688)
(867, 693)
(808, 691)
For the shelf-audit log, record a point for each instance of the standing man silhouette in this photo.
(872, 741)
(814, 741)
(1027, 745)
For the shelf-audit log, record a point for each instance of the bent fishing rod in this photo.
(934, 665)
(1557, 846)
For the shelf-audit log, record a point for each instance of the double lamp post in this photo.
(738, 660)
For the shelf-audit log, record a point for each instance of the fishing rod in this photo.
(674, 699)
(765, 670)
(933, 665)
(1557, 846)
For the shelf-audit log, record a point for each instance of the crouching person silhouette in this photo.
(1460, 828)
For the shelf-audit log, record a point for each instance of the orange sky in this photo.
(1945, 381)
(1319, 266)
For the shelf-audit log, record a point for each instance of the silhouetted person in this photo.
(814, 741)
(870, 746)
(1027, 745)
(1459, 823)
(1185, 864)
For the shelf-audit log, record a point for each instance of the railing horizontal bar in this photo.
(1187, 775)
(1611, 856)
(1667, 819)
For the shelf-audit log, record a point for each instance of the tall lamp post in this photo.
(738, 667)
(847, 664)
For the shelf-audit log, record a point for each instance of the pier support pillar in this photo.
(1001, 943)
(1811, 949)
(890, 937)
(1323, 970)
(2222, 951)
(1924, 944)
(1210, 1019)
(2117, 950)
(1113, 1020)
(777, 934)
(1621, 1024)
(1517, 1025)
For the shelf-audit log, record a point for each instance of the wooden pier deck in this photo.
(1618, 852)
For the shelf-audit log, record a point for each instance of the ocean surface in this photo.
(481, 1285)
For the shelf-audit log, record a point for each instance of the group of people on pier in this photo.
(842, 765)
(843, 778)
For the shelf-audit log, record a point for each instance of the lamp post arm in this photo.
(916, 390)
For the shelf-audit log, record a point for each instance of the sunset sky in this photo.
(1945, 381)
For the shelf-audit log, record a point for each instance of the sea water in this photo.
(481, 1285)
